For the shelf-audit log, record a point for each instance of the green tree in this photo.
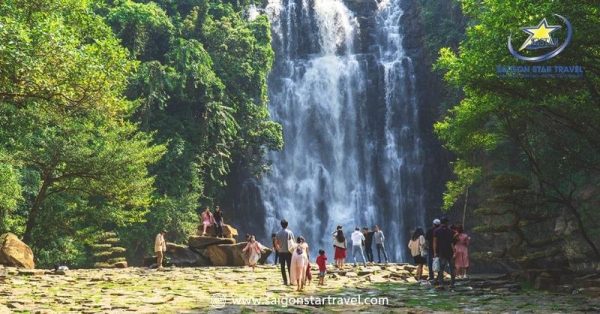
(544, 129)
(64, 120)
(202, 90)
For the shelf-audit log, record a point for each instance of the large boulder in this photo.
(15, 253)
(228, 231)
(200, 242)
(231, 254)
(183, 256)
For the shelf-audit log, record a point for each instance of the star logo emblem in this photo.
(539, 36)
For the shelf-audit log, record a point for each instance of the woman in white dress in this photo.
(299, 264)
(253, 250)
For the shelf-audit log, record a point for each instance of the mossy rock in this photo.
(116, 260)
(108, 234)
(111, 240)
(102, 254)
(102, 265)
(117, 250)
(101, 246)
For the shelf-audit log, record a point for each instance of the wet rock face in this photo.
(13, 252)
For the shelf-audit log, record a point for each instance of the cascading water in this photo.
(349, 159)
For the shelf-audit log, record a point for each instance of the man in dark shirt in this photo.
(368, 243)
(429, 238)
(443, 248)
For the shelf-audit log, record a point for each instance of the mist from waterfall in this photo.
(335, 169)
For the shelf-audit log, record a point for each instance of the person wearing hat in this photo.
(443, 248)
(429, 239)
(160, 246)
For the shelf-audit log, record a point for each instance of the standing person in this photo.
(299, 264)
(207, 219)
(160, 246)
(357, 243)
(368, 243)
(253, 250)
(379, 241)
(322, 263)
(339, 243)
(443, 248)
(218, 217)
(461, 249)
(275, 247)
(285, 239)
(418, 251)
(429, 238)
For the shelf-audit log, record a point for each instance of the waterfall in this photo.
(348, 159)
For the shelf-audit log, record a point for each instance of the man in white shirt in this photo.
(160, 246)
(357, 242)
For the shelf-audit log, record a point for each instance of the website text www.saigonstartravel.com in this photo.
(222, 300)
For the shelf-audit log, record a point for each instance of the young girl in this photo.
(299, 264)
(207, 220)
(253, 250)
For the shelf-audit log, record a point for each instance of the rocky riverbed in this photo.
(215, 289)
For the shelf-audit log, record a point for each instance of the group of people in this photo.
(441, 247)
(215, 219)
(293, 253)
(362, 242)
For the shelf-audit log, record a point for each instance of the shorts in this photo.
(322, 274)
(419, 260)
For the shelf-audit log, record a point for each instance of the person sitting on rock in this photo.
(253, 250)
(218, 218)
(207, 219)
(160, 246)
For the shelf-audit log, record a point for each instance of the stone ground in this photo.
(215, 289)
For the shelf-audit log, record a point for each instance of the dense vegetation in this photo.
(125, 116)
(527, 149)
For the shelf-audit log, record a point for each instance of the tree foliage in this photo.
(545, 128)
(201, 86)
(63, 116)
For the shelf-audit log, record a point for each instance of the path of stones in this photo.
(201, 290)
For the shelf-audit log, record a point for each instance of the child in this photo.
(322, 263)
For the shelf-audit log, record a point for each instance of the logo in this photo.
(541, 39)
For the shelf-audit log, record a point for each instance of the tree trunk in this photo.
(465, 207)
(33, 211)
